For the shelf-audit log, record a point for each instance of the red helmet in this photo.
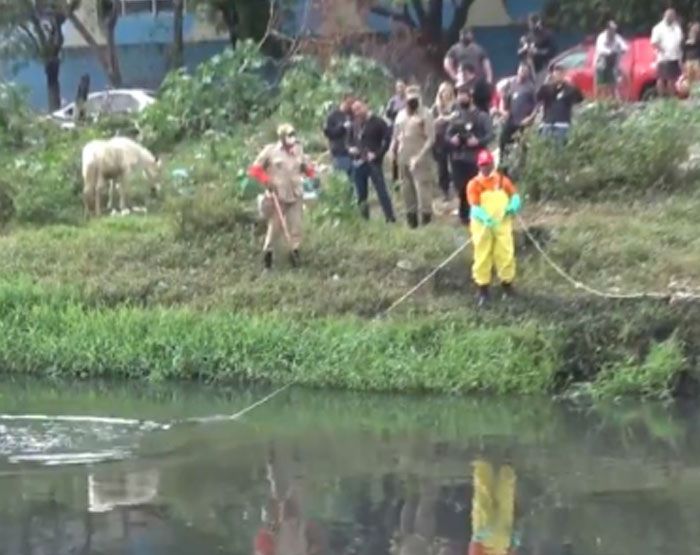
(485, 158)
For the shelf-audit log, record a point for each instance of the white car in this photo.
(111, 102)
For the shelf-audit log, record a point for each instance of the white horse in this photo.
(113, 161)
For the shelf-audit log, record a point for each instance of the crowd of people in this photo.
(450, 138)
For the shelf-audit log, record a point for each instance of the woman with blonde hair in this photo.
(443, 109)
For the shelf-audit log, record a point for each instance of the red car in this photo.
(637, 69)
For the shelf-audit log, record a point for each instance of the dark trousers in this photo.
(442, 159)
(462, 173)
(508, 137)
(363, 174)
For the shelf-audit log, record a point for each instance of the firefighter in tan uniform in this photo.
(414, 136)
(281, 168)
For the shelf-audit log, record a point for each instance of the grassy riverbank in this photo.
(179, 293)
(128, 298)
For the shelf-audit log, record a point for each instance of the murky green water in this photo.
(327, 474)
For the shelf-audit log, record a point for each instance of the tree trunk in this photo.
(110, 17)
(114, 73)
(52, 69)
(90, 40)
(178, 54)
(230, 18)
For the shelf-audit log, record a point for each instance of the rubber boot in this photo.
(267, 260)
(482, 297)
(294, 258)
(412, 220)
(427, 218)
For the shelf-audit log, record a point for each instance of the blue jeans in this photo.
(558, 133)
(343, 163)
(362, 175)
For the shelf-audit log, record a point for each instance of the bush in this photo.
(654, 376)
(614, 154)
(15, 117)
(223, 92)
(307, 92)
(46, 179)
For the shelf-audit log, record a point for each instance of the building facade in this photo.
(145, 29)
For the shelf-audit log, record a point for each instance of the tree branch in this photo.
(420, 11)
(31, 37)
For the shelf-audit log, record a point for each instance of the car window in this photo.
(120, 104)
(574, 60)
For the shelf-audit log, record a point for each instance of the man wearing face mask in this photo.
(467, 52)
(469, 132)
(337, 130)
(281, 168)
(414, 136)
(369, 144)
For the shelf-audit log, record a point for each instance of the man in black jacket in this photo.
(369, 144)
(470, 131)
(558, 98)
(338, 130)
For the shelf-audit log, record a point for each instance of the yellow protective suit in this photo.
(493, 509)
(494, 247)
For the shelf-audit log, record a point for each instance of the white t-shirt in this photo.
(669, 39)
(605, 47)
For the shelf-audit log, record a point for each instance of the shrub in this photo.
(653, 376)
(614, 154)
(47, 180)
(224, 91)
(15, 117)
(307, 92)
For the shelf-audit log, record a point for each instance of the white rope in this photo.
(239, 414)
(144, 423)
(426, 279)
(598, 293)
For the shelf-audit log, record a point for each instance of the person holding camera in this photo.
(470, 131)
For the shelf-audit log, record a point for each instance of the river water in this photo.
(114, 469)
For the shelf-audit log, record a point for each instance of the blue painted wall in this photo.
(142, 66)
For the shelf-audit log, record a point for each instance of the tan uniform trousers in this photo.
(417, 187)
(293, 214)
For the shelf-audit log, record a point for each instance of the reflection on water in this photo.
(320, 474)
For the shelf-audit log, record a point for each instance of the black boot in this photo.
(267, 259)
(294, 258)
(482, 297)
(508, 291)
(412, 220)
(364, 210)
(427, 218)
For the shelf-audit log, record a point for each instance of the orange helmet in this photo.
(484, 158)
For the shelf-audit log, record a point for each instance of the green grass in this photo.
(56, 334)
(130, 297)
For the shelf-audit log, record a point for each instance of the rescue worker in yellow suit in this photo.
(493, 510)
(494, 202)
(281, 168)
